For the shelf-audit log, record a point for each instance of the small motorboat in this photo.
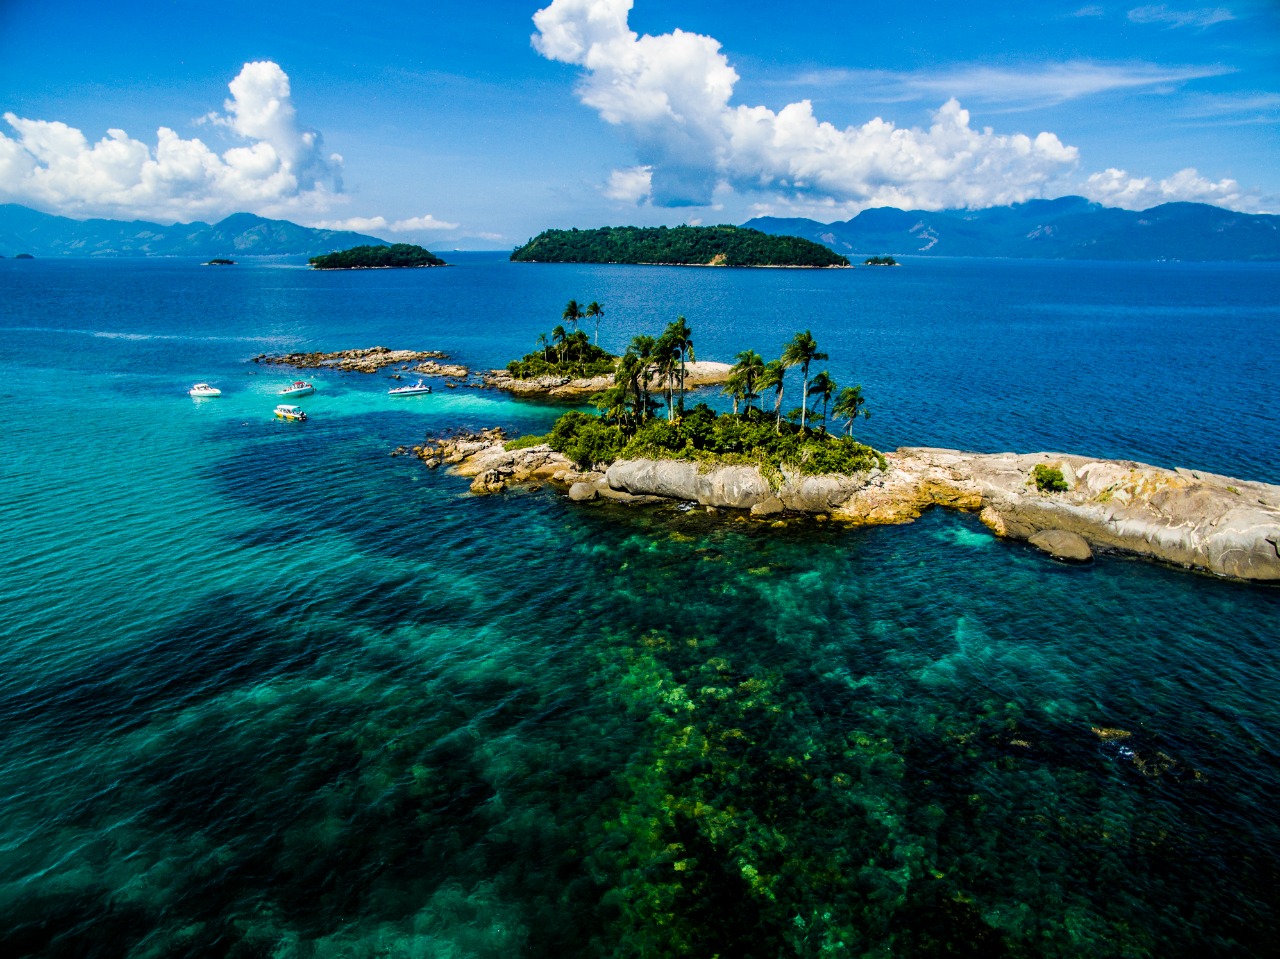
(297, 388)
(204, 389)
(417, 389)
(286, 412)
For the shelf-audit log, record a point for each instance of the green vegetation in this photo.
(698, 245)
(219, 261)
(377, 257)
(565, 353)
(880, 261)
(24, 256)
(629, 425)
(1048, 479)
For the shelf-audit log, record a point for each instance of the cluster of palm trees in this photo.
(658, 365)
(649, 363)
(575, 314)
(751, 376)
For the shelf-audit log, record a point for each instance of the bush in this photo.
(703, 436)
(1048, 479)
(524, 442)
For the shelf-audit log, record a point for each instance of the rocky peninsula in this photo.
(1188, 518)
(369, 360)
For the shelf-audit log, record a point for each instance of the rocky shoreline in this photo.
(697, 374)
(1187, 518)
(425, 362)
(369, 360)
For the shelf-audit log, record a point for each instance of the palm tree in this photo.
(749, 367)
(595, 311)
(736, 387)
(850, 404)
(680, 339)
(644, 348)
(823, 386)
(542, 344)
(801, 351)
(572, 314)
(666, 365)
(558, 335)
(772, 377)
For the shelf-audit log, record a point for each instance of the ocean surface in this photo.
(266, 690)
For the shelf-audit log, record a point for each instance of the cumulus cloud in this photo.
(630, 186)
(1203, 17)
(277, 168)
(380, 224)
(671, 95)
(1114, 187)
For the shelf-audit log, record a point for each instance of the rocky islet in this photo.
(1188, 518)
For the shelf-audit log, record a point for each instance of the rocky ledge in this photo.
(702, 373)
(1186, 517)
(360, 361)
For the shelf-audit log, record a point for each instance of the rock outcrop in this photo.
(355, 361)
(1189, 518)
(702, 373)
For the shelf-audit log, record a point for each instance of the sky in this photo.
(480, 124)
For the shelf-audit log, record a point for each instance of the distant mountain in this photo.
(1070, 228)
(23, 230)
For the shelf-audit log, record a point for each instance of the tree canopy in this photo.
(683, 245)
(376, 257)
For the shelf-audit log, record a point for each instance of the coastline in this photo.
(1187, 518)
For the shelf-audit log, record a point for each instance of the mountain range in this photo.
(1069, 227)
(23, 230)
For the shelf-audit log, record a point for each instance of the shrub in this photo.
(524, 442)
(1048, 479)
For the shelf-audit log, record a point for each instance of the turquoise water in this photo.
(267, 690)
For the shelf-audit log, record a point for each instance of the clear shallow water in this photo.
(269, 691)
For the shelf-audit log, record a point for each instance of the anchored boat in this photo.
(417, 389)
(287, 412)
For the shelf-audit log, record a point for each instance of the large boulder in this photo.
(1061, 544)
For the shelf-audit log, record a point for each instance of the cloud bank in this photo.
(380, 224)
(670, 96)
(278, 168)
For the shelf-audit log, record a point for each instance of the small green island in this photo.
(395, 256)
(220, 261)
(642, 414)
(24, 256)
(676, 246)
(879, 261)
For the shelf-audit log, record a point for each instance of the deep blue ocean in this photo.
(267, 690)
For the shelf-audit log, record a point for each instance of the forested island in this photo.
(676, 245)
(377, 258)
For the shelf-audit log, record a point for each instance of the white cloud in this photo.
(1093, 10)
(380, 224)
(279, 168)
(1114, 187)
(1203, 17)
(671, 94)
(1028, 87)
(630, 186)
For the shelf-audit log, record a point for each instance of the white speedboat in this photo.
(204, 389)
(287, 412)
(417, 389)
(297, 388)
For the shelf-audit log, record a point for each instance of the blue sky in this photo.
(474, 124)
